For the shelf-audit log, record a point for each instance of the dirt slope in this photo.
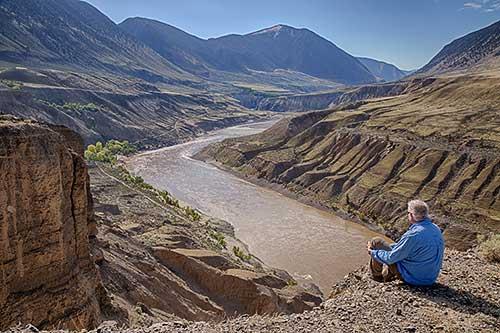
(159, 264)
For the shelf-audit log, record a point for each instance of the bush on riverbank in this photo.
(162, 196)
(220, 238)
(108, 153)
(240, 254)
(165, 198)
(192, 213)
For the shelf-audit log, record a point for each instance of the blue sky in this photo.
(407, 33)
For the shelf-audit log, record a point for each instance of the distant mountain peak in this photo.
(274, 28)
(269, 49)
(384, 71)
(277, 29)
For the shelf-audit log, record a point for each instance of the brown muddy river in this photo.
(309, 243)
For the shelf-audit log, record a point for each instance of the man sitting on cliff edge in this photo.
(416, 258)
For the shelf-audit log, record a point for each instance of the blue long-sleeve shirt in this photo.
(418, 254)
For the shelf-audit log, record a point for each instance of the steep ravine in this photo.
(156, 265)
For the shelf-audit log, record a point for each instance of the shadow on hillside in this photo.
(458, 300)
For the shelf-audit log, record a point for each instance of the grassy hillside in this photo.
(476, 49)
(78, 37)
(111, 107)
(440, 143)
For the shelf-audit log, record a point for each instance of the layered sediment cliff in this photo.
(342, 96)
(48, 277)
(440, 143)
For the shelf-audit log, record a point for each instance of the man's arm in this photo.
(398, 252)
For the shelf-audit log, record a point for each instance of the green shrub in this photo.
(98, 153)
(80, 107)
(192, 213)
(162, 196)
(240, 254)
(220, 238)
(490, 248)
(69, 106)
(108, 153)
(120, 147)
(166, 198)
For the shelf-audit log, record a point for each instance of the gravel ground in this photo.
(465, 299)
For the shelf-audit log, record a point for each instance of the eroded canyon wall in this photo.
(440, 143)
(47, 274)
(342, 96)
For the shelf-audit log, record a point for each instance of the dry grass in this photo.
(490, 249)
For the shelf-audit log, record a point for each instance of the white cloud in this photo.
(486, 6)
(473, 5)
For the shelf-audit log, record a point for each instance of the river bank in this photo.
(159, 263)
(312, 244)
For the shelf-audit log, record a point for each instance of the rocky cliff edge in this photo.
(48, 277)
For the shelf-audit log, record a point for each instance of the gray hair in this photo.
(419, 209)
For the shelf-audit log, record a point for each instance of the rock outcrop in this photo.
(440, 143)
(48, 277)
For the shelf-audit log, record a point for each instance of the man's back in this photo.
(424, 261)
(418, 254)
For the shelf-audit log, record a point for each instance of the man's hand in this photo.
(369, 247)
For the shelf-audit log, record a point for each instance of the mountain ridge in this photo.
(470, 50)
(277, 47)
(383, 70)
(80, 37)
